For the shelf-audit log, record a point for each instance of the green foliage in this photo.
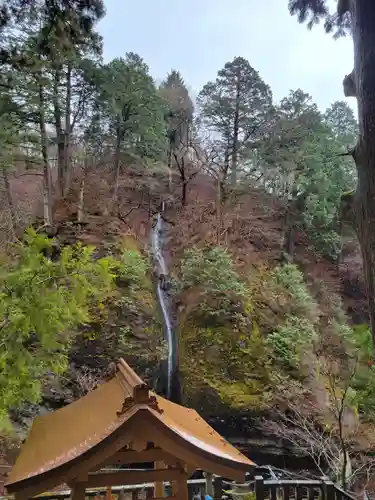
(213, 270)
(303, 153)
(260, 336)
(234, 108)
(291, 340)
(292, 280)
(180, 109)
(42, 302)
(297, 334)
(212, 267)
(360, 340)
(132, 110)
(133, 268)
(233, 360)
(312, 11)
(341, 121)
(219, 331)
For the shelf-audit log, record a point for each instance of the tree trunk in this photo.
(117, 165)
(183, 180)
(289, 232)
(60, 161)
(219, 189)
(184, 192)
(80, 211)
(236, 127)
(363, 30)
(58, 130)
(68, 131)
(170, 169)
(47, 180)
(81, 199)
(9, 199)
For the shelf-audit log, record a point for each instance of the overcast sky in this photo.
(197, 37)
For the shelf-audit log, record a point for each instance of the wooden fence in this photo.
(298, 490)
(257, 487)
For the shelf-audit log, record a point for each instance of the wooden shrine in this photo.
(121, 422)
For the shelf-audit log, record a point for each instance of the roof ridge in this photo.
(136, 390)
(127, 376)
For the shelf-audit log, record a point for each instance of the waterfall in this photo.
(161, 272)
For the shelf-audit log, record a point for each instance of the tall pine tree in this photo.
(235, 109)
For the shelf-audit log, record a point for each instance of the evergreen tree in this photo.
(358, 18)
(306, 169)
(179, 122)
(132, 110)
(42, 302)
(340, 119)
(235, 109)
(180, 109)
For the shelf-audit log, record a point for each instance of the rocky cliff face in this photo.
(226, 371)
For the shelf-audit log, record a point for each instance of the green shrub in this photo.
(292, 280)
(327, 243)
(360, 343)
(213, 271)
(42, 302)
(133, 269)
(290, 340)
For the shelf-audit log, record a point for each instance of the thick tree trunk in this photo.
(363, 30)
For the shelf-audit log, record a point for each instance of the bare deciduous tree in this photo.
(328, 434)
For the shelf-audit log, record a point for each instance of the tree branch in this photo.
(349, 85)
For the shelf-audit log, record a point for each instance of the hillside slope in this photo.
(251, 234)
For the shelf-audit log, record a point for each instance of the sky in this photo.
(197, 37)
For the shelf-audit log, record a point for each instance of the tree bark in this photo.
(236, 128)
(47, 179)
(60, 138)
(117, 164)
(81, 198)
(9, 199)
(363, 31)
(68, 131)
(170, 169)
(289, 232)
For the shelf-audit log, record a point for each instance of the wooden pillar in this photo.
(218, 488)
(182, 487)
(108, 495)
(209, 485)
(259, 488)
(174, 488)
(78, 492)
(159, 486)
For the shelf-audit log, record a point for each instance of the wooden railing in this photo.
(261, 488)
(298, 490)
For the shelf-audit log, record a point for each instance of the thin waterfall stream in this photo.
(158, 241)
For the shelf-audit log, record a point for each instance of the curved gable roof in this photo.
(59, 437)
